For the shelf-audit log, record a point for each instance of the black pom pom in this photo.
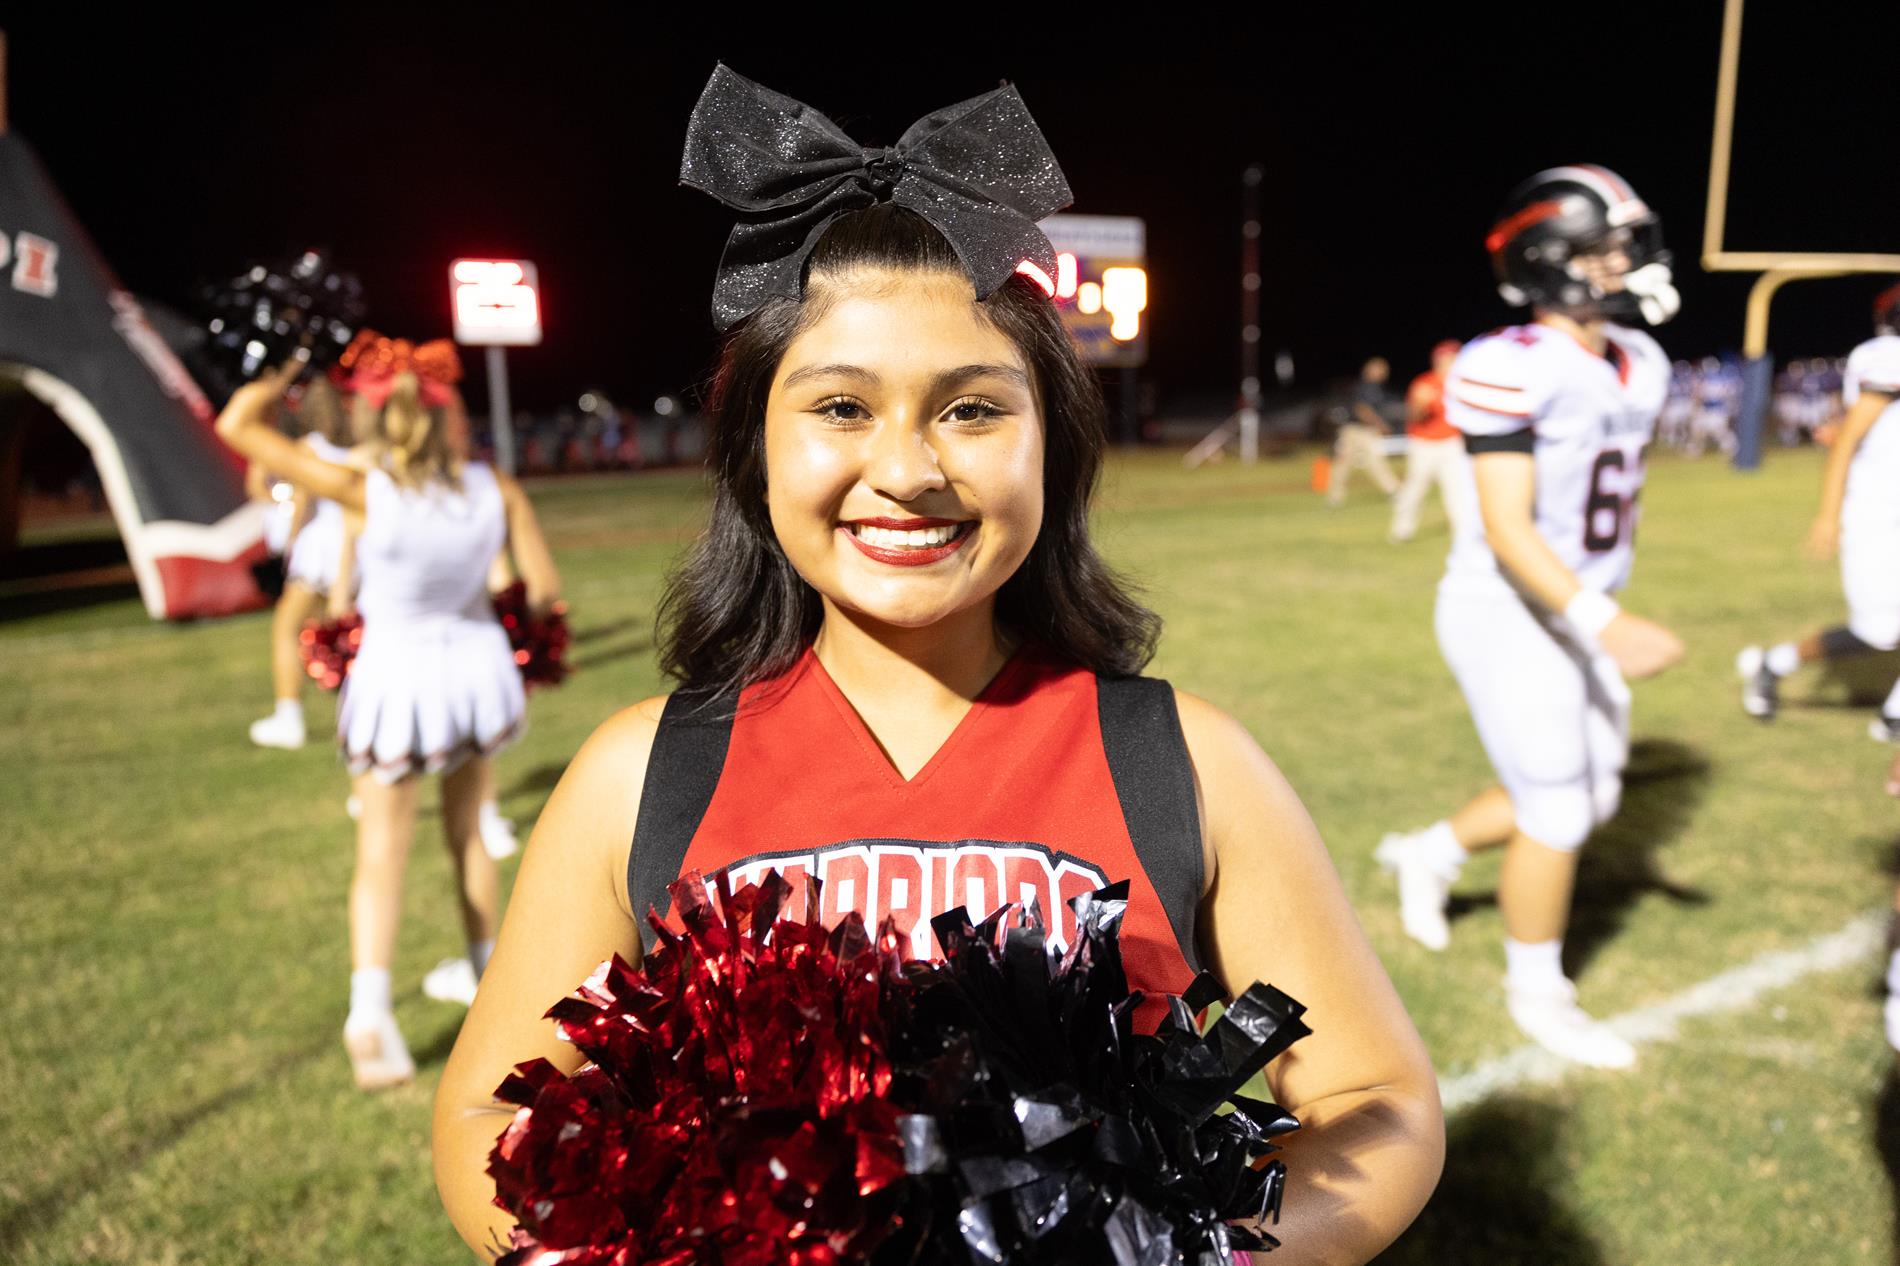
(261, 318)
(1046, 1130)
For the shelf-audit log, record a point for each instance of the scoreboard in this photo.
(496, 302)
(1101, 285)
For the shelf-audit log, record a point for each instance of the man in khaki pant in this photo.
(1361, 442)
(1433, 447)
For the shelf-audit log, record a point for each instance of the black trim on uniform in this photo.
(689, 755)
(1520, 441)
(1148, 761)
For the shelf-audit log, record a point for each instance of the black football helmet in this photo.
(1887, 311)
(1565, 212)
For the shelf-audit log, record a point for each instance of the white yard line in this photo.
(1733, 990)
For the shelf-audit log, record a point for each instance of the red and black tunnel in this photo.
(75, 339)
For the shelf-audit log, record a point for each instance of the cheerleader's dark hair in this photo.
(735, 611)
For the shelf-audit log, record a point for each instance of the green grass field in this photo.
(173, 933)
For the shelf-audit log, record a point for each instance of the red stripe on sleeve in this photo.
(1485, 408)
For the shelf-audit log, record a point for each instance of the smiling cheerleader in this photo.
(906, 670)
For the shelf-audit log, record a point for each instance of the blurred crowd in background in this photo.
(596, 433)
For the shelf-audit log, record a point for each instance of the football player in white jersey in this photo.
(1555, 415)
(1859, 517)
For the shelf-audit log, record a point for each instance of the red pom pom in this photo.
(735, 1108)
(329, 648)
(540, 642)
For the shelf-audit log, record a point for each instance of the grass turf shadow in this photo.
(599, 632)
(1663, 785)
(1887, 1144)
(612, 654)
(1503, 1198)
(1857, 681)
(23, 1221)
(38, 1209)
(537, 781)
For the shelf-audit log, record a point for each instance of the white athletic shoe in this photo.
(1884, 729)
(378, 1056)
(1550, 1017)
(451, 980)
(354, 807)
(498, 836)
(278, 730)
(1424, 889)
(1761, 689)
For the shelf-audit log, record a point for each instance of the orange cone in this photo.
(1322, 472)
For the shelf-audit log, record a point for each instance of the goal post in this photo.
(1775, 268)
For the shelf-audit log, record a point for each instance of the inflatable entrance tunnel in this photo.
(71, 336)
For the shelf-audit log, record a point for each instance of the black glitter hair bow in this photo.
(979, 171)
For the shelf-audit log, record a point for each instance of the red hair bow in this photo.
(374, 361)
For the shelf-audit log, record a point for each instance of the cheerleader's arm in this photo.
(245, 426)
(529, 546)
(567, 914)
(257, 482)
(1824, 537)
(1371, 1142)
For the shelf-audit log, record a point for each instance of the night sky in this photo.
(192, 146)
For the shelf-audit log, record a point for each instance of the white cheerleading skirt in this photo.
(424, 696)
(316, 551)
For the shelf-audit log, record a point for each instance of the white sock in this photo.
(478, 955)
(1893, 973)
(491, 812)
(369, 995)
(1782, 658)
(1533, 964)
(1442, 849)
(1891, 708)
(292, 708)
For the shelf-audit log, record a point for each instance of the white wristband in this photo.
(1590, 612)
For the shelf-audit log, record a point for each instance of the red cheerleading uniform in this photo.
(1054, 784)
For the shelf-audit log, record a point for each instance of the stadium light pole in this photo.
(501, 417)
(1244, 422)
(1250, 313)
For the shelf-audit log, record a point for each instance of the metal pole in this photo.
(1760, 295)
(1250, 313)
(500, 417)
(1758, 371)
(1758, 380)
(1758, 367)
(1716, 210)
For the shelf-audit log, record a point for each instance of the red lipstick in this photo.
(910, 557)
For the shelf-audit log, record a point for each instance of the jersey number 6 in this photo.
(1609, 511)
